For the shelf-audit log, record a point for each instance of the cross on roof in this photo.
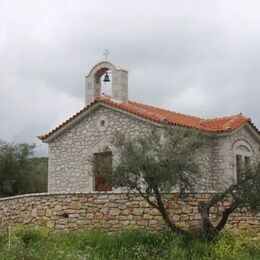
(106, 53)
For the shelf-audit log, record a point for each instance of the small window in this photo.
(103, 167)
(247, 162)
(239, 166)
(243, 156)
(102, 123)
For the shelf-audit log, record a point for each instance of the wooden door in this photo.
(103, 166)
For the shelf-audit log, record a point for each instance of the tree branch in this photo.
(164, 212)
(218, 197)
(226, 214)
(146, 197)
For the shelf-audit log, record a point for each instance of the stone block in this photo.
(187, 209)
(147, 216)
(125, 223)
(153, 222)
(125, 212)
(90, 216)
(98, 216)
(70, 211)
(195, 223)
(184, 217)
(57, 226)
(138, 211)
(154, 212)
(34, 212)
(226, 203)
(143, 204)
(123, 206)
(177, 211)
(176, 217)
(57, 208)
(75, 205)
(253, 222)
(73, 215)
(196, 216)
(115, 212)
(104, 210)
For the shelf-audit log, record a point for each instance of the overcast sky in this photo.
(195, 57)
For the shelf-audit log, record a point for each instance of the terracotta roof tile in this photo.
(216, 125)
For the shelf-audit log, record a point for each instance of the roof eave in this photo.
(158, 122)
(70, 124)
(252, 129)
(155, 123)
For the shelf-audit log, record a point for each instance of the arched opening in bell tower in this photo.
(106, 83)
(104, 78)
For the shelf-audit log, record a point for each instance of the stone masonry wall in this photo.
(109, 211)
(223, 172)
(70, 154)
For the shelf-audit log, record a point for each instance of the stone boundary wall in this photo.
(109, 211)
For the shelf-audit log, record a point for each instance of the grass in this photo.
(39, 243)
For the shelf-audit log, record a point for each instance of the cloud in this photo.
(191, 98)
(197, 57)
(33, 110)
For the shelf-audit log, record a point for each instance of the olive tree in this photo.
(156, 164)
(19, 172)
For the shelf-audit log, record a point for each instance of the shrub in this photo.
(38, 243)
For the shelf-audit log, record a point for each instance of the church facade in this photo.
(78, 145)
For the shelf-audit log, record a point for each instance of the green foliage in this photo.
(38, 174)
(38, 243)
(244, 193)
(162, 160)
(14, 166)
(155, 163)
(233, 247)
(30, 237)
(19, 172)
(247, 191)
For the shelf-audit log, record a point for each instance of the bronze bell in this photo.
(106, 78)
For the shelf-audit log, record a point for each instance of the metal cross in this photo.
(106, 53)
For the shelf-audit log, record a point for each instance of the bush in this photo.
(39, 243)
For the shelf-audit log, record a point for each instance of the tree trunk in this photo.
(225, 216)
(207, 226)
(164, 213)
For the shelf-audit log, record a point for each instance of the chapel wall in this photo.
(204, 158)
(224, 157)
(70, 154)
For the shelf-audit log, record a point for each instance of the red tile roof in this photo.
(216, 125)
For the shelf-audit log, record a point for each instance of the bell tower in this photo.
(119, 82)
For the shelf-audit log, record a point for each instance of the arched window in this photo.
(243, 157)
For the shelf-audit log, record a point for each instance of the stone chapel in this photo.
(89, 134)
